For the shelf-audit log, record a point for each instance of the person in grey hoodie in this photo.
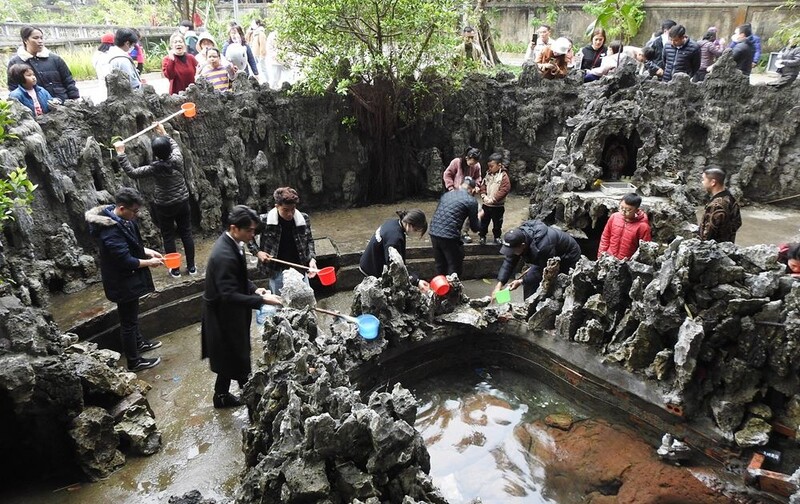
(171, 194)
(788, 64)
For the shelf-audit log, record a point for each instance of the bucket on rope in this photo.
(440, 285)
(173, 260)
(368, 326)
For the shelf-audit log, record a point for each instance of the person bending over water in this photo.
(392, 233)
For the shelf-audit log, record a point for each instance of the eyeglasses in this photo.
(626, 210)
(134, 211)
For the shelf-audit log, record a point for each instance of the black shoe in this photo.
(175, 273)
(192, 270)
(143, 363)
(466, 238)
(226, 400)
(146, 346)
(482, 241)
(498, 241)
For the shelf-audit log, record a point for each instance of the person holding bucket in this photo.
(392, 233)
(535, 242)
(287, 237)
(124, 263)
(229, 299)
(455, 207)
(171, 194)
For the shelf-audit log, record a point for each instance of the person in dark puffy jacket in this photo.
(171, 194)
(124, 263)
(681, 55)
(455, 207)
(534, 242)
(392, 233)
(744, 49)
(51, 71)
(625, 229)
(789, 254)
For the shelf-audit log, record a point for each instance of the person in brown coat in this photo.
(722, 217)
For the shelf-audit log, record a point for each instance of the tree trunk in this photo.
(486, 39)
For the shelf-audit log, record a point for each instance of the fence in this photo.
(59, 35)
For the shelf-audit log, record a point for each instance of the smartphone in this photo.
(534, 38)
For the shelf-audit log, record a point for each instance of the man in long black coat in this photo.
(228, 302)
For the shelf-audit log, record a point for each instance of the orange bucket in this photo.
(172, 261)
(189, 109)
(327, 275)
(440, 285)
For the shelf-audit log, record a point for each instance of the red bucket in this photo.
(327, 275)
(172, 261)
(440, 285)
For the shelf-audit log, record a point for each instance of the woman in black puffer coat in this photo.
(51, 71)
(171, 194)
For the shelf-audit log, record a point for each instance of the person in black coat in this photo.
(51, 71)
(228, 301)
(124, 263)
(592, 54)
(454, 208)
(392, 233)
(535, 242)
(744, 49)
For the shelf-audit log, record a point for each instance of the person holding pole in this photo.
(286, 237)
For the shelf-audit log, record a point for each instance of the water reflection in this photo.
(473, 425)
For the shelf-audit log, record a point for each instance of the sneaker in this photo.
(146, 346)
(498, 241)
(143, 363)
(175, 273)
(482, 241)
(466, 239)
(192, 270)
(226, 400)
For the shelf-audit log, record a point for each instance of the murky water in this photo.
(470, 420)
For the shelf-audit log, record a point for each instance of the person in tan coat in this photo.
(494, 189)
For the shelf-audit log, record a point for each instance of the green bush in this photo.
(79, 61)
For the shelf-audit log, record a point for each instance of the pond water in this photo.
(471, 420)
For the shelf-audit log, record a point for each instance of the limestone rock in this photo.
(754, 433)
(96, 443)
(138, 431)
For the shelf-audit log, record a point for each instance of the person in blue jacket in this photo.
(27, 92)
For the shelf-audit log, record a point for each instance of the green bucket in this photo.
(503, 296)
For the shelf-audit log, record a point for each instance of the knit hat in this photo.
(107, 38)
(712, 29)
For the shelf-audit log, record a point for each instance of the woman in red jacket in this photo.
(178, 66)
(625, 228)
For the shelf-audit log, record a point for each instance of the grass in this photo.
(511, 47)
(79, 61)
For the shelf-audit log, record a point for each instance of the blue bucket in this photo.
(368, 326)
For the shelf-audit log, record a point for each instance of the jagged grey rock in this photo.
(96, 443)
(138, 430)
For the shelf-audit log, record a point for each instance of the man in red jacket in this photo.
(625, 228)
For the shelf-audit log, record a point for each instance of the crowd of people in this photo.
(669, 52)
(38, 78)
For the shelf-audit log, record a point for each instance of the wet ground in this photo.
(201, 445)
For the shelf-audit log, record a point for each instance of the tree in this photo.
(389, 56)
(621, 19)
(185, 8)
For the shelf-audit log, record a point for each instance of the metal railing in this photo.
(67, 34)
